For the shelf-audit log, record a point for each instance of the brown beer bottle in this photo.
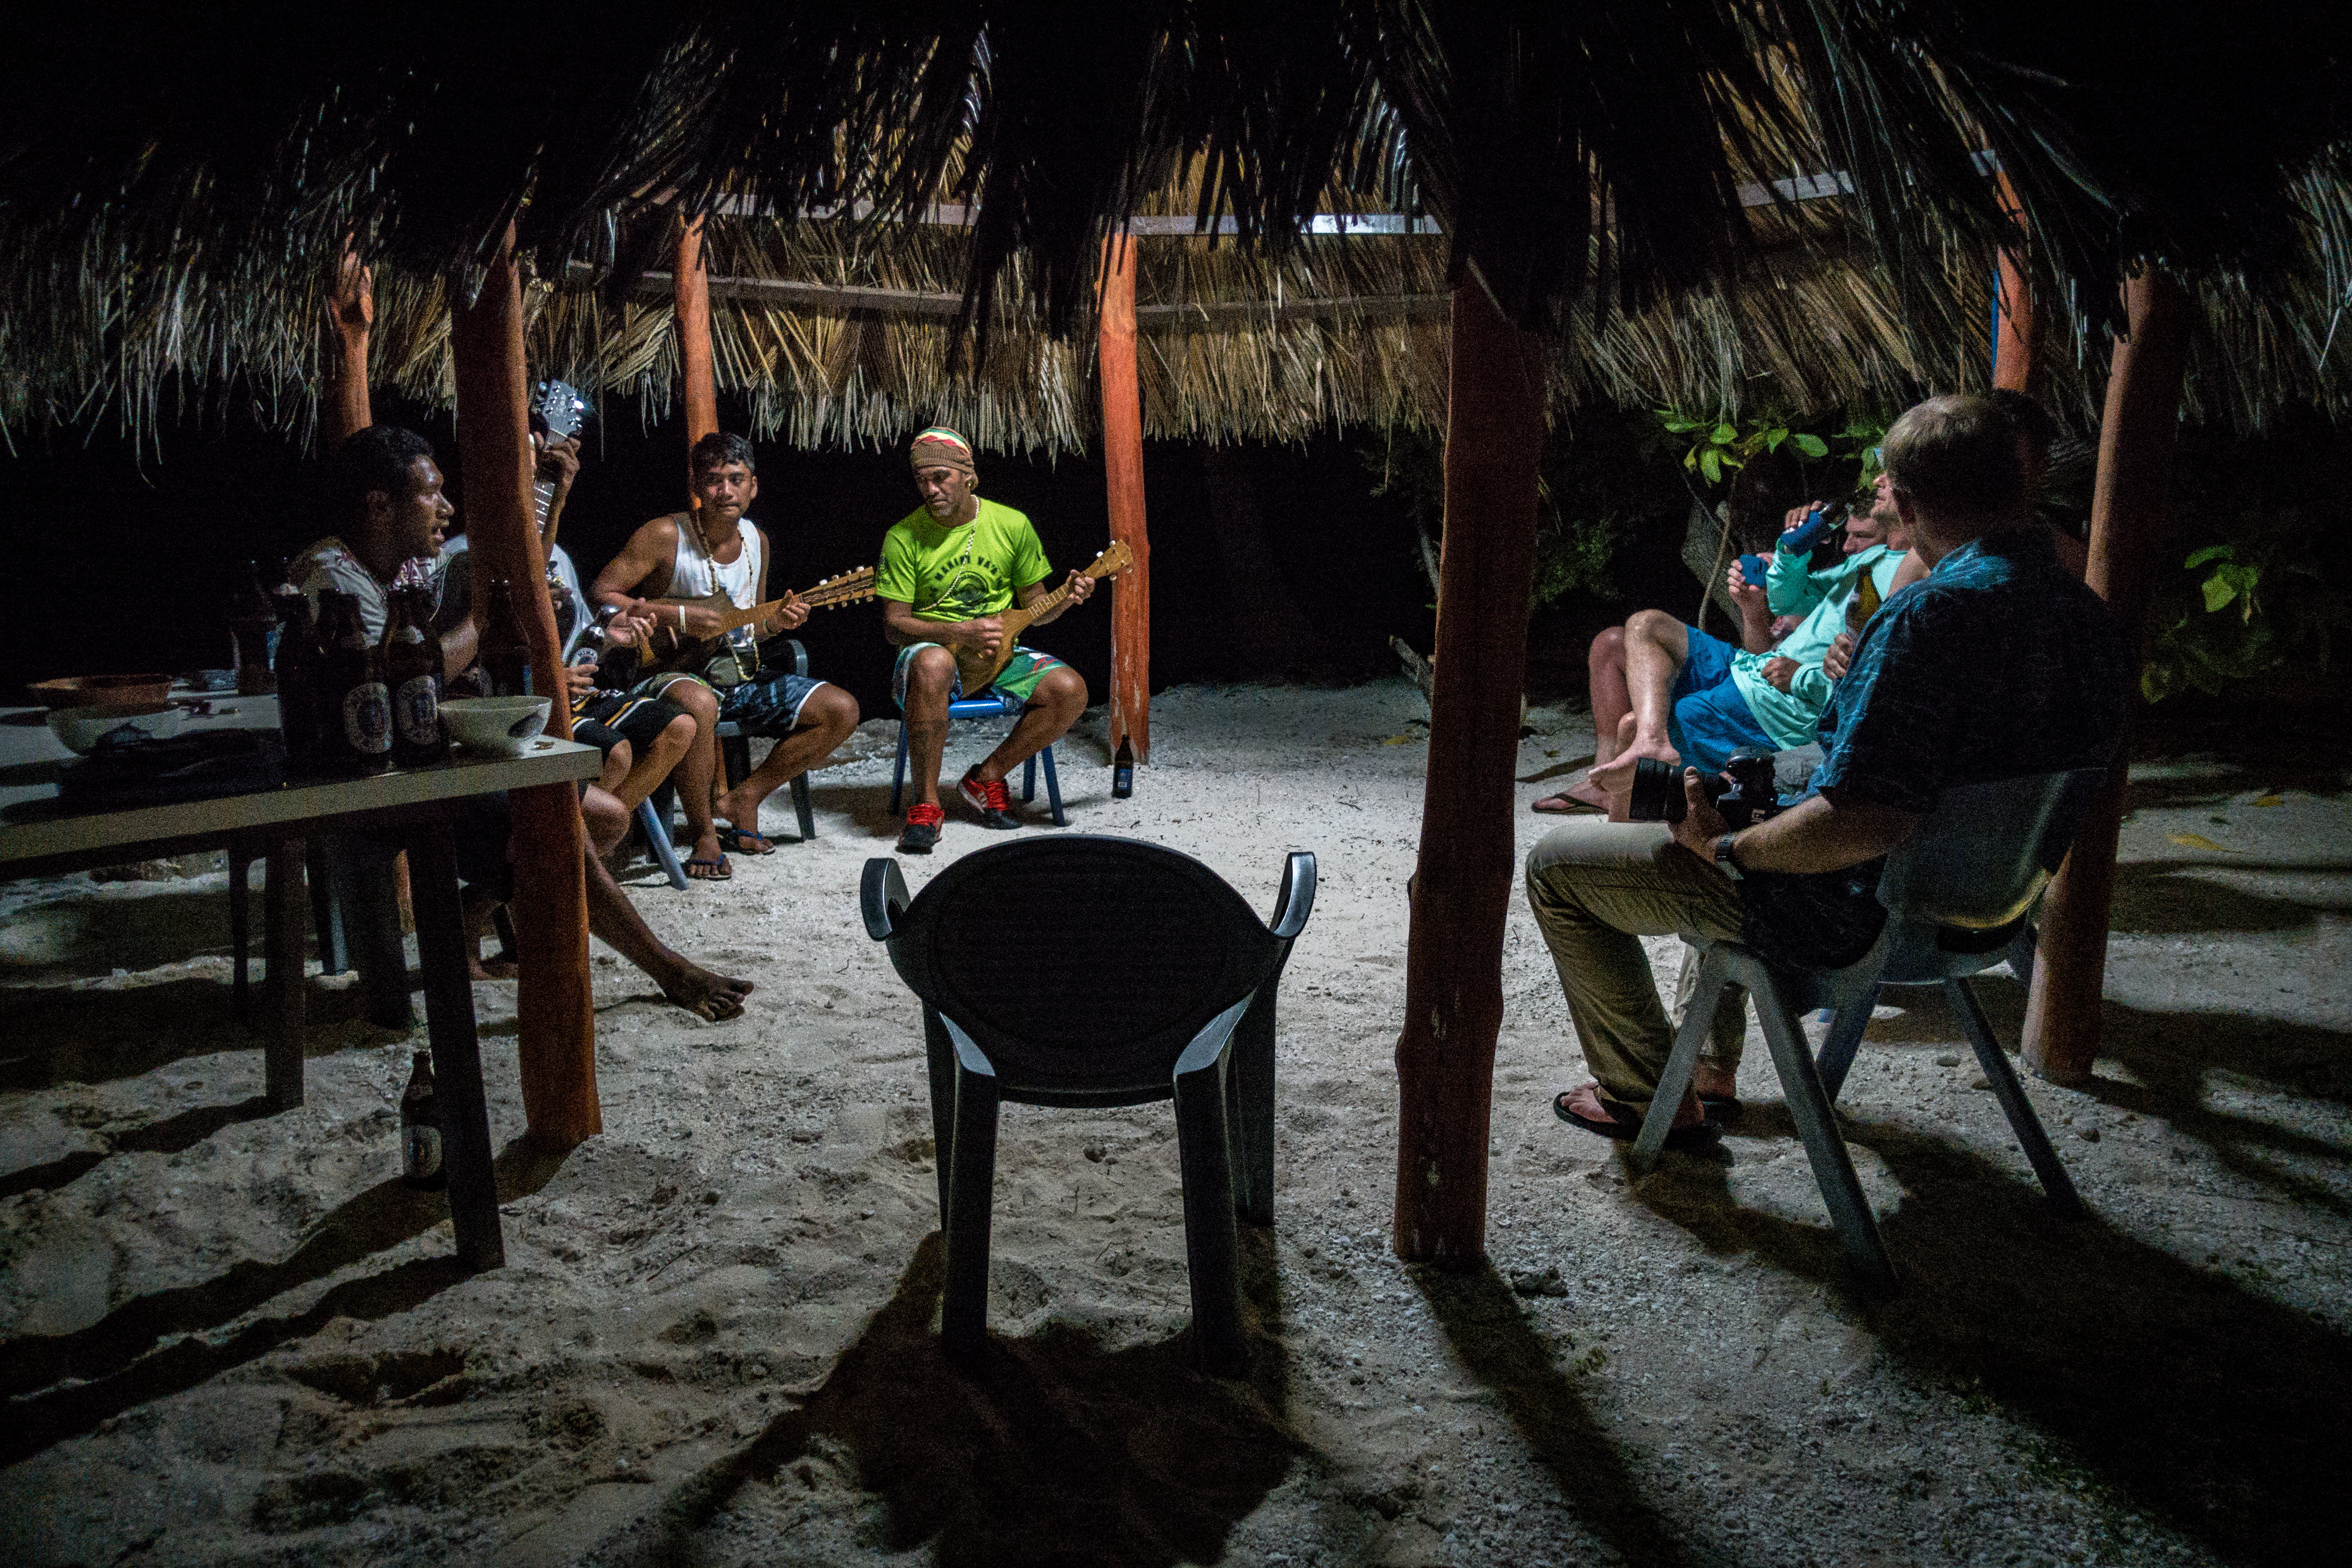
(420, 1129)
(297, 681)
(251, 619)
(356, 709)
(506, 650)
(412, 674)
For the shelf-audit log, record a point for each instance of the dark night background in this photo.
(133, 548)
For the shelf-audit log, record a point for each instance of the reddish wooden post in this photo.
(1462, 889)
(1122, 419)
(2136, 437)
(558, 1022)
(2017, 346)
(692, 285)
(350, 316)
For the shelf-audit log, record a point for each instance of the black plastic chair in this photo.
(1959, 896)
(1138, 976)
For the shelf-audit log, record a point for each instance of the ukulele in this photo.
(977, 670)
(691, 653)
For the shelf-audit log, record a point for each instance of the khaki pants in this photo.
(1597, 887)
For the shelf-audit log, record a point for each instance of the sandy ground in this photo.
(233, 1338)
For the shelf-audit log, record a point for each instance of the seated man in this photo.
(948, 568)
(1662, 688)
(712, 548)
(556, 468)
(1997, 666)
(386, 489)
(643, 738)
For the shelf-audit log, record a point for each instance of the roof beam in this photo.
(793, 296)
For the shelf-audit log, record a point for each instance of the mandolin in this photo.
(690, 653)
(977, 670)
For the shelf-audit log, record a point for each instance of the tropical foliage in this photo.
(2242, 608)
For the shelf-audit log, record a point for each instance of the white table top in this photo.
(31, 758)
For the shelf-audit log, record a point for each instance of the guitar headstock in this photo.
(560, 407)
(846, 589)
(1115, 559)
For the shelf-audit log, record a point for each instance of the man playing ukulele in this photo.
(949, 569)
(687, 555)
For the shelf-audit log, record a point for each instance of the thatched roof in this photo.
(1585, 162)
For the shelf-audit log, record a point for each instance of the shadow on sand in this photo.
(64, 1384)
(1053, 1450)
(2202, 1403)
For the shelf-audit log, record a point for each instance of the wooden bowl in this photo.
(102, 690)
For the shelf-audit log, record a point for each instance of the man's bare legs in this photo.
(645, 774)
(824, 721)
(1656, 645)
(699, 769)
(1605, 663)
(931, 674)
(1054, 706)
(613, 918)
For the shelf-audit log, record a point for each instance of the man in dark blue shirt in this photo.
(1997, 665)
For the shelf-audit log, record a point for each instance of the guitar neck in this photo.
(543, 495)
(1037, 609)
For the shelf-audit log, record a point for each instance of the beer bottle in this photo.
(251, 620)
(505, 649)
(356, 706)
(297, 681)
(412, 674)
(420, 1129)
(1123, 771)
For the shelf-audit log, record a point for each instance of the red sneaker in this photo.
(922, 829)
(990, 799)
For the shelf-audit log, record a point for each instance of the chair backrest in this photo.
(1984, 853)
(1081, 964)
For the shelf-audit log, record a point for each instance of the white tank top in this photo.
(694, 574)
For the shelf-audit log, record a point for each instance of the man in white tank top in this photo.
(714, 549)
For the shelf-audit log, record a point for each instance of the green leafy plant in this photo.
(2242, 607)
(1719, 448)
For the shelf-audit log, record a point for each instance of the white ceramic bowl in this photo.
(501, 726)
(79, 728)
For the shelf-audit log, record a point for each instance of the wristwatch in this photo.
(1723, 859)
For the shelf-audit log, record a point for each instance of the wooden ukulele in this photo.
(977, 670)
(690, 653)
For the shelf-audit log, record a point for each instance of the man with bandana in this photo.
(949, 569)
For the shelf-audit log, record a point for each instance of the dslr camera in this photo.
(1747, 798)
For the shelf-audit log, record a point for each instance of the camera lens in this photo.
(1657, 792)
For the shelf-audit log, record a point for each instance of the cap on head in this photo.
(941, 447)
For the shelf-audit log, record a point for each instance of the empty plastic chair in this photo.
(1141, 976)
(1959, 896)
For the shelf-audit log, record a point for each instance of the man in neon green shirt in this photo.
(948, 570)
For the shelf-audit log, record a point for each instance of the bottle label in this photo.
(417, 709)
(367, 719)
(420, 1152)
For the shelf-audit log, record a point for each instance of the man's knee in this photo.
(605, 817)
(676, 735)
(1608, 644)
(699, 701)
(929, 675)
(831, 709)
(1062, 688)
(1651, 626)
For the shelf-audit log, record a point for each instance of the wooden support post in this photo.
(557, 1039)
(2016, 339)
(2136, 439)
(1122, 418)
(692, 285)
(1462, 888)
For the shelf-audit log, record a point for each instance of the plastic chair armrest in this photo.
(800, 656)
(968, 1056)
(1209, 1043)
(1296, 901)
(882, 896)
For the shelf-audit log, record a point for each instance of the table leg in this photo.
(284, 926)
(456, 1049)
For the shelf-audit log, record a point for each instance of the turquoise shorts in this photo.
(1019, 677)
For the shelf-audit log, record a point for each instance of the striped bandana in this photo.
(941, 447)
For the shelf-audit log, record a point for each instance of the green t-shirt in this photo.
(962, 573)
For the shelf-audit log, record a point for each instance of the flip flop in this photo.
(743, 841)
(1625, 1126)
(717, 870)
(1566, 805)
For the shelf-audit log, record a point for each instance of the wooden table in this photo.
(41, 835)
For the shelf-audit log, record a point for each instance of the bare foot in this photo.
(717, 997)
(742, 809)
(1615, 776)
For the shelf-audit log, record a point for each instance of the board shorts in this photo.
(1018, 679)
(612, 717)
(1708, 718)
(768, 704)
